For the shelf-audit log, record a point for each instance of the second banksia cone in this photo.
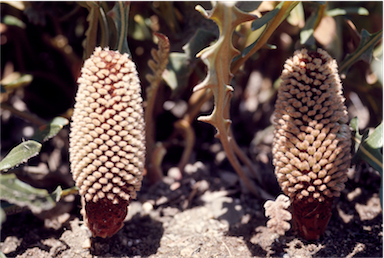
(311, 146)
(107, 140)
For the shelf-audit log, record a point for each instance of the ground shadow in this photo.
(247, 231)
(30, 230)
(140, 235)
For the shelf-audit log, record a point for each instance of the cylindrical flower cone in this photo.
(107, 140)
(312, 140)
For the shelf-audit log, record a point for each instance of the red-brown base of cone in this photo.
(311, 218)
(105, 219)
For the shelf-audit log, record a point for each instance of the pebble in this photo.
(63, 218)
(190, 169)
(352, 195)
(133, 208)
(86, 244)
(168, 180)
(161, 200)
(186, 252)
(147, 207)
(203, 185)
(220, 157)
(193, 168)
(10, 244)
(175, 173)
(175, 186)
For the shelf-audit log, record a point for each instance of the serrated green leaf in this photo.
(177, 71)
(181, 65)
(368, 147)
(258, 23)
(267, 30)
(377, 62)
(297, 15)
(18, 82)
(17, 192)
(354, 124)
(20, 154)
(120, 14)
(199, 40)
(14, 21)
(56, 195)
(49, 130)
(357, 137)
(248, 6)
(306, 34)
(375, 140)
(270, 46)
(59, 120)
(347, 10)
(364, 50)
(3, 216)
(371, 149)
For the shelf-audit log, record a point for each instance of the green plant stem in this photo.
(23, 114)
(104, 28)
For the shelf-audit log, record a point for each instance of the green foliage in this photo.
(20, 154)
(93, 19)
(258, 23)
(15, 192)
(99, 19)
(368, 147)
(273, 20)
(120, 14)
(181, 65)
(306, 34)
(17, 82)
(22, 194)
(12, 20)
(49, 130)
(28, 149)
(364, 50)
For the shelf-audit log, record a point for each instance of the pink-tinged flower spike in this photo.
(107, 140)
(311, 146)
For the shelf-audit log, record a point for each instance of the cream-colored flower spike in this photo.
(312, 139)
(107, 139)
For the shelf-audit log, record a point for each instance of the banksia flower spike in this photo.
(107, 140)
(311, 146)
